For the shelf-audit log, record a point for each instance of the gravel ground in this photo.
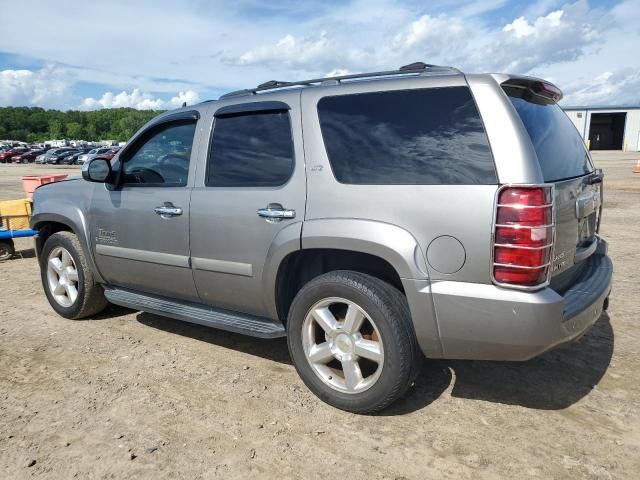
(134, 395)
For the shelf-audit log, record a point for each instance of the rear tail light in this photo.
(523, 236)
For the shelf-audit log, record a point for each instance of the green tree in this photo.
(35, 124)
(55, 129)
(74, 130)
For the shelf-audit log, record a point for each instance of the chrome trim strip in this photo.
(523, 247)
(143, 255)
(521, 266)
(522, 226)
(222, 266)
(586, 252)
(519, 205)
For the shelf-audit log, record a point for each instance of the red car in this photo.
(27, 157)
(109, 155)
(5, 157)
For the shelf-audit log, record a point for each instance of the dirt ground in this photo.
(134, 395)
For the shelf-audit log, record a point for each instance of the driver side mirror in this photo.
(98, 170)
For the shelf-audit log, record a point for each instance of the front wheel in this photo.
(352, 341)
(67, 279)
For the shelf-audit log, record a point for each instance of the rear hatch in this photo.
(565, 163)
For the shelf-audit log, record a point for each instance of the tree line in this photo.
(34, 124)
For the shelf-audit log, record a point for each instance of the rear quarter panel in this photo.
(425, 211)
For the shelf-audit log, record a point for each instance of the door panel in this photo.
(230, 242)
(137, 248)
(140, 227)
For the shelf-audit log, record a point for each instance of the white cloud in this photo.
(519, 46)
(139, 100)
(289, 51)
(432, 33)
(521, 28)
(27, 87)
(218, 49)
(621, 87)
(189, 97)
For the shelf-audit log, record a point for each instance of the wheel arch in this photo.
(49, 223)
(379, 249)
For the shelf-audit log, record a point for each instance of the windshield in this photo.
(560, 149)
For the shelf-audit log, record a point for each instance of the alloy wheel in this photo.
(62, 277)
(343, 345)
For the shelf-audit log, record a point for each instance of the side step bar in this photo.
(197, 313)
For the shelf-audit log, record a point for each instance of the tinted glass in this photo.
(161, 158)
(251, 150)
(425, 136)
(558, 145)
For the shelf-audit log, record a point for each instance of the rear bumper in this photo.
(486, 322)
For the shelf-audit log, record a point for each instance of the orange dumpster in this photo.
(31, 182)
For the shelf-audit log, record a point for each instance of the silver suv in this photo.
(370, 218)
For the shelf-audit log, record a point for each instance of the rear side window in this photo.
(251, 150)
(406, 137)
(558, 145)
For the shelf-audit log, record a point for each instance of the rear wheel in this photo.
(67, 279)
(352, 341)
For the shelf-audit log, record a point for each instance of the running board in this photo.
(197, 313)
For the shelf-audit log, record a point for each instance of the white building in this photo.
(608, 128)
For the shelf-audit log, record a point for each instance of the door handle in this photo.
(168, 210)
(275, 213)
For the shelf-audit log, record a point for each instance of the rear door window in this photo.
(252, 149)
(559, 147)
(422, 136)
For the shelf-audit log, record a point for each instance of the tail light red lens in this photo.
(515, 276)
(521, 257)
(523, 236)
(535, 237)
(533, 197)
(529, 216)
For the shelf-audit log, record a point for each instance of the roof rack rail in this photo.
(412, 68)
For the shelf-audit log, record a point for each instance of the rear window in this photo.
(406, 137)
(558, 145)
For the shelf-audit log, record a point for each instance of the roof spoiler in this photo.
(533, 90)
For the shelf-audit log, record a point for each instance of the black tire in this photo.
(6, 250)
(90, 299)
(388, 308)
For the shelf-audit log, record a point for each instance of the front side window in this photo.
(407, 137)
(252, 149)
(161, 157)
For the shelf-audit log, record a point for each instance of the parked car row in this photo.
(7, 153)
(54, 156)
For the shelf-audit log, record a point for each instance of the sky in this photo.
(157, 54)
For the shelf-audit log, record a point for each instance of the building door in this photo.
(606, 130)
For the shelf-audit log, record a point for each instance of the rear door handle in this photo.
(168, 210)
(275, 213)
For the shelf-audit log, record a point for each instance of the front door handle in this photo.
(275, 213)
(168, 210)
